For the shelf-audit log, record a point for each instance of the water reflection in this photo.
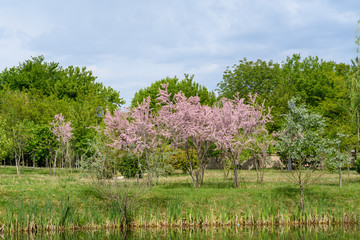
(325, 232)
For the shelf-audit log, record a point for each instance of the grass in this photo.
(38, 201)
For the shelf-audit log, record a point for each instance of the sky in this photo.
(130, 44)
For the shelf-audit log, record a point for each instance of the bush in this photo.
(357, 165)
(129, 166)
(179, 160)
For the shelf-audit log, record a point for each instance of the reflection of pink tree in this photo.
(62, 131)
(186, 123)
(235, 124)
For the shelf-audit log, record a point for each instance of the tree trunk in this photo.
(23, 160)
(54, 165)
(262, 170)
(17, 163)
(34, 162)
(289, 164)
(236, 183)
(301, 197)
(340, 179)
(199, 177)
(257, 171)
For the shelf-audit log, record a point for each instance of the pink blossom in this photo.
(61, 129)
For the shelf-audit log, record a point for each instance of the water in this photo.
(326, 232)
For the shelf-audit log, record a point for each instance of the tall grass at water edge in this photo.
(40, 202)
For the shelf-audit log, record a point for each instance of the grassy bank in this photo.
(39, 201)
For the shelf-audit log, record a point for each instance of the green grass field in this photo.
(40, 201)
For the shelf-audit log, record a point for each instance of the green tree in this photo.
(5, 140)
(41, 145)
(319, 84)
(20, 135)
(353, 84)
(51, 79)
(36, 90)
(301, 140)
(187, 86)
(338, 156)
(261, 77)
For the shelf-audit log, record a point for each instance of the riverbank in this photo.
(38, 201)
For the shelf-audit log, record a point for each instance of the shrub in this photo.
(179, 160)
(357, 165)
(129, 166)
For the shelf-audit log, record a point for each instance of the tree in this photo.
(36, 90)
(5, 140)
(62, 131)
(337, 157)
(135, 131)
(236, 124)
(262, 145)
(320, 85)
(353, 85)
(250, 77)
(187, 124)
(41, 145)
(187, 86)
(301, 140)
(263, 78)
(20, 136)
(51, 79)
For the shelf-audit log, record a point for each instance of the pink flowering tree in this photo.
(262, 144)
(187, 124)
(135, 131)
(62, 131)
(235, 125)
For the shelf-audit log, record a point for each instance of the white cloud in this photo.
(129, 45)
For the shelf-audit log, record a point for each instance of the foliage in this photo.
(180, 159)
(263, 143)
(99, 158)
(187, 124)
(236, 124)
(320, 84)
(187, 86)
(36, 90)
(129, 166)
(250, 77)
(62, 131)
(136, 132)
(338, 156)
(51, 79)
(301, 139)
(5, 140)
(357, 165)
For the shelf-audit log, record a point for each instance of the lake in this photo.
(273, 232)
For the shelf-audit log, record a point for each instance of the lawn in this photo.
(39, 200)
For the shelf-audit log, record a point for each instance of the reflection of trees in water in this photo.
(250, 232)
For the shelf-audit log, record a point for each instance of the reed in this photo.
(41, 202)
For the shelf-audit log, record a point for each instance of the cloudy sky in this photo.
(130, 44)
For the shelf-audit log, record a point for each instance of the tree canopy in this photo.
(35, 91)
(320, 84)
(187, 86)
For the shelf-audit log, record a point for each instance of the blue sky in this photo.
(130, 44)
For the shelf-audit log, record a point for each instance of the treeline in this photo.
(32, 93)
(35, 91)
(325, 87)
